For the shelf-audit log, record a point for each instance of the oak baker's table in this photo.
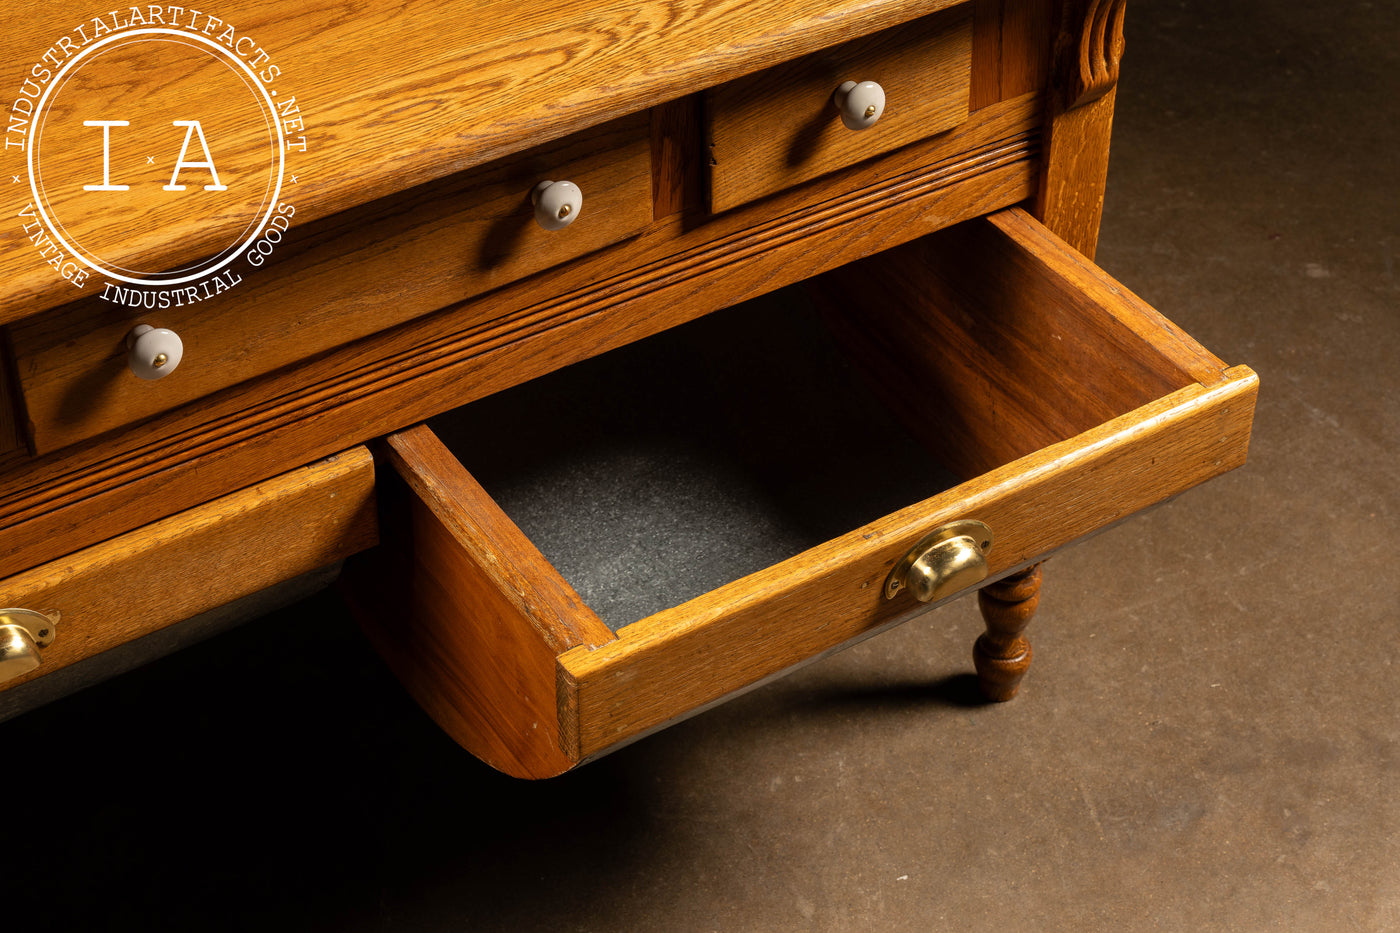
(252, 250)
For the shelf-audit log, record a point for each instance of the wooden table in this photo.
(371, 258)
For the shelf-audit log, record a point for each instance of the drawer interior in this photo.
(731, 496)
(664, 469)
(994, 340)
(659, 471)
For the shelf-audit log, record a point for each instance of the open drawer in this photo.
(1036, 396)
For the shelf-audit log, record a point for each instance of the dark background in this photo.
(1208, 739)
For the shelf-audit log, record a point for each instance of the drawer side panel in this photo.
(468, 614)
(994, 340)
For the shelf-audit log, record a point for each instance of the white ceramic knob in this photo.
(860, 104)
(155, 351)
(557, 203)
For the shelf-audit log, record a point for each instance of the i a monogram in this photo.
(192, 130)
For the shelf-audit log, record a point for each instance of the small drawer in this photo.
(112, 593)
(336, 280)
(1020, 387)
(774, 129)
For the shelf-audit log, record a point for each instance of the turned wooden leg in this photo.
(1003, 654)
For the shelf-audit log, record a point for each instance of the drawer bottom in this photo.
(663, 470)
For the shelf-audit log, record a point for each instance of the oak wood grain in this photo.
(343, 278)
(1074, 172)
(669, 664)
(484, 79)
(778, 128)
(676, 134)
(1023, 340)
(473, 623)
(1198, 427)
(676, 271)
(1011, 44)
(197, 560)
(1088, 51)
(539, 596)
(1075, 403)
(13, 443)
(1163, 433)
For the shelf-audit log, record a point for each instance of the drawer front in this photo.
(780, 127)
(130, 586)
(337, 280)
(1059, 403)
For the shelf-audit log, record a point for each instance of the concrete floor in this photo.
(1209, 738)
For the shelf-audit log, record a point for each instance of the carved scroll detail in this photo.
(1099, 54)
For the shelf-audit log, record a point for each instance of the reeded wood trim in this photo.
(189, 563)
(436, 363)
(347, 277)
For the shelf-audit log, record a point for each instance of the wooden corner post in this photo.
(1069, 201)
(1079, 119)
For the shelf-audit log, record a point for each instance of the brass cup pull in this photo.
(951, 558)
(22, 633)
